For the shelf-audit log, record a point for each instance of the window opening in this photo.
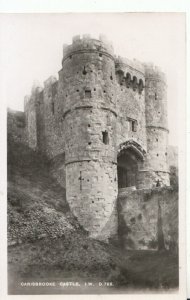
(52, 108)
(84, 71)
(128, 80)
(134, 83)
(133, 126)
(141, 86)
(88, 94)
(105, 137)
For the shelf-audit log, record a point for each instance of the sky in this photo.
(32, 49)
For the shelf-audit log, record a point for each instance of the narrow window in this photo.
(135, 84)
(88, 94)
(141, 86)
(128, 80)
(105, 137)
(52, 108)
(134, 125)
(84, 71)
(120, 77)
(156, 96)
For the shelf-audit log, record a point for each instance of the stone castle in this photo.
(106, 118)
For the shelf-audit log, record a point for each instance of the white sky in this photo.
(32, 49)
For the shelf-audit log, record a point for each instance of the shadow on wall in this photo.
(148, 219)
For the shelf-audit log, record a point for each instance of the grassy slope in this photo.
(47, 242)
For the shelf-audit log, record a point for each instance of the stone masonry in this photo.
(107, 116)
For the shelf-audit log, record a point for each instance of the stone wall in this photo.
(148, 218)
(57, 169)
(43, 119)
(54, 131)
(130, 102)
(88, 100)
(173, 165)
(31, 121)
(16, 126)
(156, 165)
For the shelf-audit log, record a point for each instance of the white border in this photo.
(61, 6)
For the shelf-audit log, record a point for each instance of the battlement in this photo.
(154, 72)
(87, 43)
(131, 64)
(48, 83)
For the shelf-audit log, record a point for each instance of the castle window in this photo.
(120, 76)
(128, 80)
(105, 137)
(134, 83)
(88, 94)
(100, 54)
(156, 96)
(84, 71)
(53, 107)
(141, 86)
(134, 126)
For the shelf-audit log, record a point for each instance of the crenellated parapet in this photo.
(130, 73)
(133, 65)
(86, 43)
(154, 72)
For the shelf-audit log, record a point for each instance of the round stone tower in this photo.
(156, 166)
(87, 92)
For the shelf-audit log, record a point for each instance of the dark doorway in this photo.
(127, 169)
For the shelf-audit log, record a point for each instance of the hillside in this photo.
(46, 243)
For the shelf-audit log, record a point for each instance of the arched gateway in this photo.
(130, 157)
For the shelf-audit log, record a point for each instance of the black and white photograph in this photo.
(93, 103)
